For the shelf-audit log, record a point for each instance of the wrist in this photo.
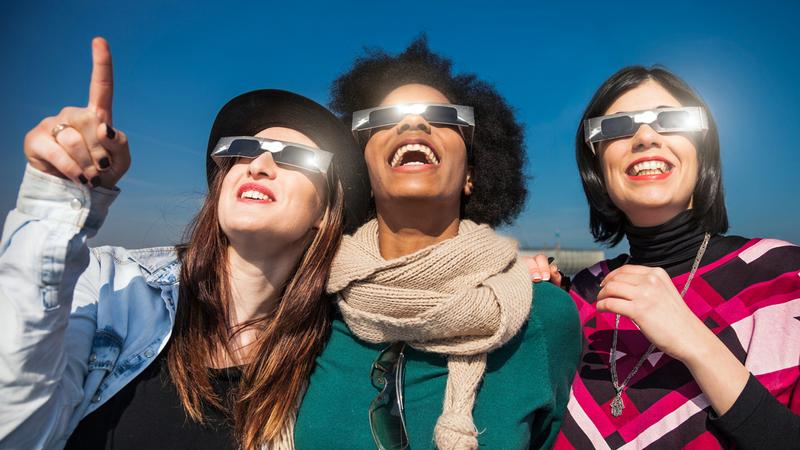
(702, 348)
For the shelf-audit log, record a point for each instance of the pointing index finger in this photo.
(101, 87)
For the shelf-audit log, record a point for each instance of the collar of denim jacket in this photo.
(160, 263)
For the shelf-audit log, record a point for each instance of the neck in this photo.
(257, 277)
(652, 217)
(407, 228)
(672, 242)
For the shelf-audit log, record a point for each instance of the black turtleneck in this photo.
(673, 245)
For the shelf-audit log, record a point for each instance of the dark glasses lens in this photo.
(442, 114)
(386, 410)
(247, 148)
(296, 156)
(432, 113)
(673, 119)
(617, 126)
(383, 117)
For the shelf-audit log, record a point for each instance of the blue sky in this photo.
(177, 63)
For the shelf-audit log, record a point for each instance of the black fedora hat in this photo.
(254, 111)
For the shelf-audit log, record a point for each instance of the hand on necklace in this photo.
(648, 297)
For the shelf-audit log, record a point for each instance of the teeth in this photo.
(422, 148)
(652, 167)
(255, 195)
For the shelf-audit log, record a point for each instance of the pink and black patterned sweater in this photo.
(748, 293)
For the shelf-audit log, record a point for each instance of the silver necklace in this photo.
(617, 405)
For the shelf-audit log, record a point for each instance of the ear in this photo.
(468, 182)
(320, 220)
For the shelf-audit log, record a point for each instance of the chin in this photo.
(416, 193)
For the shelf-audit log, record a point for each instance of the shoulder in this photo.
(552, 304)
(755, 261)
(766, 251)
(554, 323)
(758, 271)
(586, 283)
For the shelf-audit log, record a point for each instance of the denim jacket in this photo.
(76, 324)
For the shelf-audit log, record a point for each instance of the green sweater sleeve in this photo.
(556, 318)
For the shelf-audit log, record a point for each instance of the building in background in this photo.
(569, 261)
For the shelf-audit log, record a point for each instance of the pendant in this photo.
(616, 405)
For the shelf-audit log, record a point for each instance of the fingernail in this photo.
(104, 163)
(82, 179)
(546, 277)
(110, 133)
(95, 181)
(536, 276)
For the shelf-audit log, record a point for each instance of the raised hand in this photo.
(80, 143)
(648, 297)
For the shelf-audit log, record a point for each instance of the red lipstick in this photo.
(265, 191)
(652, 177)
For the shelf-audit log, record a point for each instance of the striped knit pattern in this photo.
(750, 298)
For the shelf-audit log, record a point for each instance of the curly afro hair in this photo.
(497, 155)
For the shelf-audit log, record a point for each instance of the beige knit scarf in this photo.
(462, 297)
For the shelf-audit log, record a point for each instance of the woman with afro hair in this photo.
(440, 340)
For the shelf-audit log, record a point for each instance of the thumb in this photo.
(101, 87)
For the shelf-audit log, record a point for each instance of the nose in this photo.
(263, 166)
(646, 137)
(413, 122)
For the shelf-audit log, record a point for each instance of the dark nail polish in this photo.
(82, 179)
(104, 163)
(110, 133)
(96, 181)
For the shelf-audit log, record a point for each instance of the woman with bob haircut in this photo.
(693, 339)
(440, 340)
(205, 346)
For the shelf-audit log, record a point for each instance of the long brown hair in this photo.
(287, 344)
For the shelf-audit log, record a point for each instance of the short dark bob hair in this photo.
(497, 155)
(606, 221)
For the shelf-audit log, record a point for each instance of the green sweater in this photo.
(520, 404)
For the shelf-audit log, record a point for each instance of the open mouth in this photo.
(650, 167)
(416, 154)
(255, 192)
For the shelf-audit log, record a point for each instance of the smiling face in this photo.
(416, 160)
(649, 176)
(263, 202)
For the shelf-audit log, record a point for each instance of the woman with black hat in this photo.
(115, 348)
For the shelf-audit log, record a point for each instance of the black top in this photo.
(673, 246)
(665, 245)
(148, 414)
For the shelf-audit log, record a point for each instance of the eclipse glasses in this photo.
(285, 153)
(688, 119)
(460, 116)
